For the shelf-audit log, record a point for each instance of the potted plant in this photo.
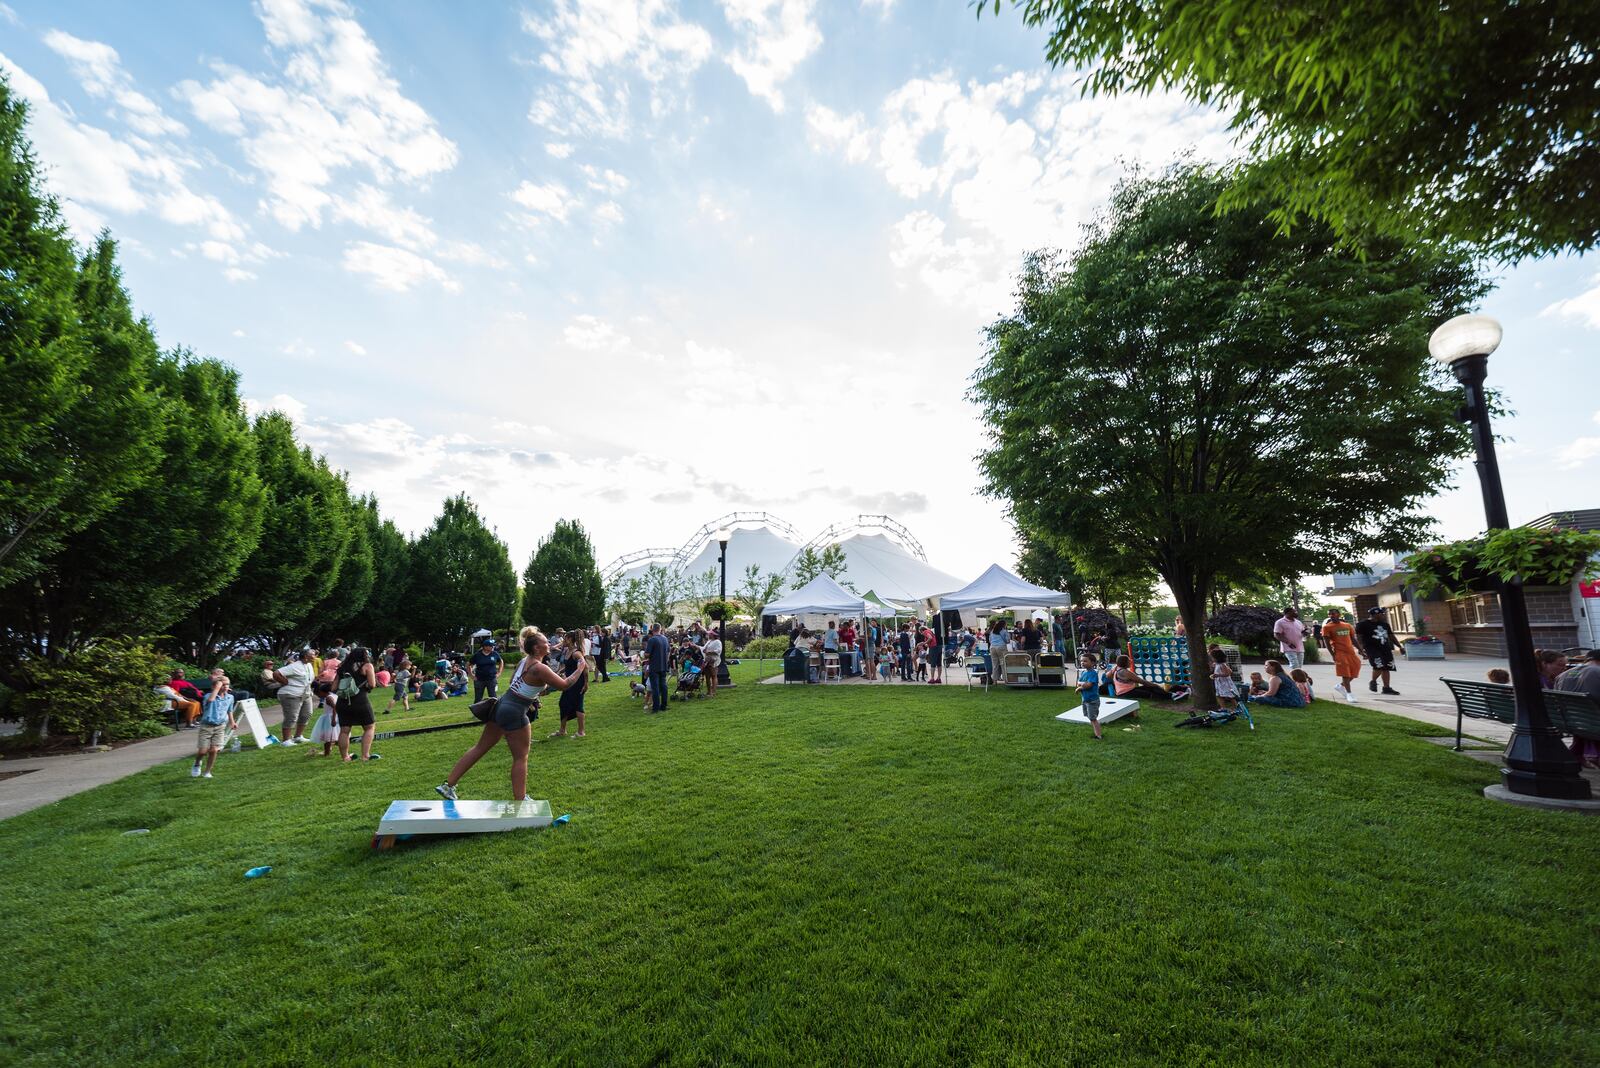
(718, 611)
(1423, 646)
(1475, 565)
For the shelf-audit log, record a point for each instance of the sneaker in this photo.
(207, 775)
(194, 771)
(1348, 696)
(446, 791)
(1391, 692)
(374, 756)
(288, 742)
(1373, 685)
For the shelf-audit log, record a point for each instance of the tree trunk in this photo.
(1192, 610)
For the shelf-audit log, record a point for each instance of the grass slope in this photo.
(804, 874)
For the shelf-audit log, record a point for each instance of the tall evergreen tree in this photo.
(295, 563)
(561, 586)
(382, 618)
(461, 577)
(344, 603)
(77, 426)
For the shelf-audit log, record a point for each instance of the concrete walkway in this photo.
(49, 779)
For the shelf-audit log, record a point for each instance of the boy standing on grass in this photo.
(402, 682)
(1089, 690)
(216, 720)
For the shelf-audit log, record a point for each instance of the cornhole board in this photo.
(405, 818)
(248, 711)
(1111, 708)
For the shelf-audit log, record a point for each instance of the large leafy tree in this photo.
(830, 561)
(1044, 562)
(177, 539)
(561, 586)
(347, 598)
(382, 618)
(295, 563)
(461, 577)
(43, 353)
(662, 589)
(756, 589)
(1473, 121)
(1253, 402)
(78, 424)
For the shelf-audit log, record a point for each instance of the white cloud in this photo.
(551, 198)
(558, 149)
(9, 15)
(599, 51)
(298, 347)
(99, 68)
(776, 36)
(844, 134)
(609, 212)
(238, 274)
(713, 209)
(1000, 167)
(238, 333)
(1578, 452)
(355, 348)
(883, 6)
(289, 405)
(604, 180)
(1585, 307)
(394, 269)
(336, 107)
(592, 334)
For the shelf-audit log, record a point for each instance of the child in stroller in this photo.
(688, 679)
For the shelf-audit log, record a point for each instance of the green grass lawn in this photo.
(824, 875)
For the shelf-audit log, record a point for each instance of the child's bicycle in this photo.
(1221, 717)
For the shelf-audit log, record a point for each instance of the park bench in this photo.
(1571, 713)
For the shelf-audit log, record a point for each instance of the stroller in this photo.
(688, 682)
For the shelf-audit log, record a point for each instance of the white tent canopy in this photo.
(484, 632)
(998, 588)
(877, 562)
(820, 597)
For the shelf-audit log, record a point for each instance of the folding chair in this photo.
(1018, 670)
(981, 676)
(830, 667)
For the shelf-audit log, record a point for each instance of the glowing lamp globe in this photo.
(1463, 336)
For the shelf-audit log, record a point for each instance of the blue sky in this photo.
(640, 263)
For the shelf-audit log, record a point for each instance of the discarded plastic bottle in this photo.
(234, 747)
(136, 830)
(256, 873)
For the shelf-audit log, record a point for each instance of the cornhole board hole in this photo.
(406, 818)
(1111, 708)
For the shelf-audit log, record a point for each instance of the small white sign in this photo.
(247, 711)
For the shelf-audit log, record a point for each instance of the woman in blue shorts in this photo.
(513, 715)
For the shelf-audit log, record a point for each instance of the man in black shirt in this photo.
(1377, 645)
(602, 653)
(485, 671)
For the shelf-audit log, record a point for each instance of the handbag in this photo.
(483, 711)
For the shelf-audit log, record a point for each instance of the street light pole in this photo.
(723, 678)
(1537, 763)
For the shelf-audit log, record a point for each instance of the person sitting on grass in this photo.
(1258, 685)
(1280, 689)
(457, 685)
(1302, 682)
(216, 720)
(1089, 689)
(1125, 682)
(430, 689)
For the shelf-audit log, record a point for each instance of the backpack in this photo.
(348, 687)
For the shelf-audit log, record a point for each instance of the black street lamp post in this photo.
(1537, 763)
(723, 679)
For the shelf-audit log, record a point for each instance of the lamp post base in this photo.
(1539, 765)
(1498, 792)
(724, 682)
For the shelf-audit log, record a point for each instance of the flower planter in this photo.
(1429, 650)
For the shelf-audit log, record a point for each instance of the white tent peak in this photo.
(821, 596)
(998, 588)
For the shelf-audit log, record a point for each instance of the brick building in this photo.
(1561, 617)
